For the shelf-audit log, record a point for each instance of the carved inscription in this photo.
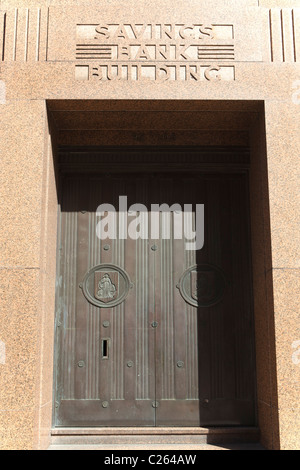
(156, 52)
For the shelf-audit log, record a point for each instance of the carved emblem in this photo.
(202, 285)
(106, 285)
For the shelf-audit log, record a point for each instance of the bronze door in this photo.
(148, 332)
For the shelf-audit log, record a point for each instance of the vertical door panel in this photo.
(176, 344)
(118, 387)
(205, 362)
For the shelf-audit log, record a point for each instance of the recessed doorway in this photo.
(153, 331)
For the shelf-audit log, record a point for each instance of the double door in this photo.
(151, 330)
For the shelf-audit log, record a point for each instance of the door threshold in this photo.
(111, 431)
(155, 435)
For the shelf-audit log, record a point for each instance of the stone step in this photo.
(152, 447)
(153, 437)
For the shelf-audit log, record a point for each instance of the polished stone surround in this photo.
(49, 96)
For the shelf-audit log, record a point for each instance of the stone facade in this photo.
(245, 90)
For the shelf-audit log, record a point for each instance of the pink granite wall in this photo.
(38, 62)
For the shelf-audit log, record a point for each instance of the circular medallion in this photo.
(202, 285)
(106, 285)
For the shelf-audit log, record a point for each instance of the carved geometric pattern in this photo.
(284, 35)
(24, 34)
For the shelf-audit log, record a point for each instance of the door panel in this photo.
(120, 387)
(178, 350)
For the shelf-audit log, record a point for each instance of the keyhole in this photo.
(105, 349)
